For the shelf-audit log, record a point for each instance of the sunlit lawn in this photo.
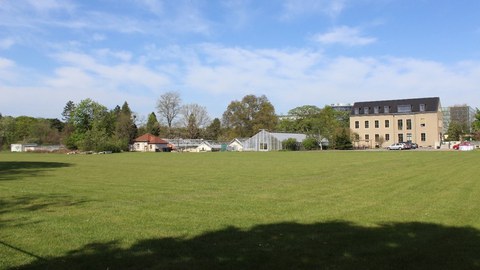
(322, 210)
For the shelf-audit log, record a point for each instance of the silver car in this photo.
(396, 146)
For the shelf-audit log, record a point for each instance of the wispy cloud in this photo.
(344, 35)
(154, 6)
(238, 13)
(6, 43)
(181, 17)
(47, 6)
(296, 8)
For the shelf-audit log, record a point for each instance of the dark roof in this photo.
(431, 105)
(151, 139)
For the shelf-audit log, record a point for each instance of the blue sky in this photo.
(301, 52)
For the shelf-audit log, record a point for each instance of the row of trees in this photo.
(89, 125)
(25, 129)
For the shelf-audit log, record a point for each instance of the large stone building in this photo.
(381, 123)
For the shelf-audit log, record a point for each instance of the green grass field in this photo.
(280, 210)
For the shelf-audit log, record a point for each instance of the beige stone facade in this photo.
(382, 123)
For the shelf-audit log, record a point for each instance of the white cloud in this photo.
(214, 75)
(113, 75)
(344, 35)
(292, 78)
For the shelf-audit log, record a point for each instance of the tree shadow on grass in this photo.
(12, 170)
(330, 245)
(14, 210)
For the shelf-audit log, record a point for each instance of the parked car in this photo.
(464, 144)
(396, 146)
(410, 145)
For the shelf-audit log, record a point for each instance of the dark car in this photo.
(411, 145)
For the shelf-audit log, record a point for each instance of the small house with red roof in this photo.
(149, 143)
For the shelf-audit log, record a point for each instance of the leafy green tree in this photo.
(329, 124)
(313, 121)
(310, 143)
(24, 128)
(246, 117)
(44, 133)
(456, 130)
(90, 121)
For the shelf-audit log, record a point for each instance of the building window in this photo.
(409, 124)
(387, 137)
(409, 137)
(387, 123)
(400, 137)
(263, 146)
(423, 137)
(400, 124)
(377, 137)
(365, 110)
(367, 124)
(356, 111)
(367, 137)
(377, 124)
(357, 124)
(422, 107)
(422, 122)
(357, 137)
(386, 109)
(376, 110)
(404, 108)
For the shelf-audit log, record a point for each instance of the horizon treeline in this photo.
(91, 126)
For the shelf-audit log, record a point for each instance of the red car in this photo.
(457, 146)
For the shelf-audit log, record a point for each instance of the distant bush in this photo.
(310, 144)
(290, 144)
